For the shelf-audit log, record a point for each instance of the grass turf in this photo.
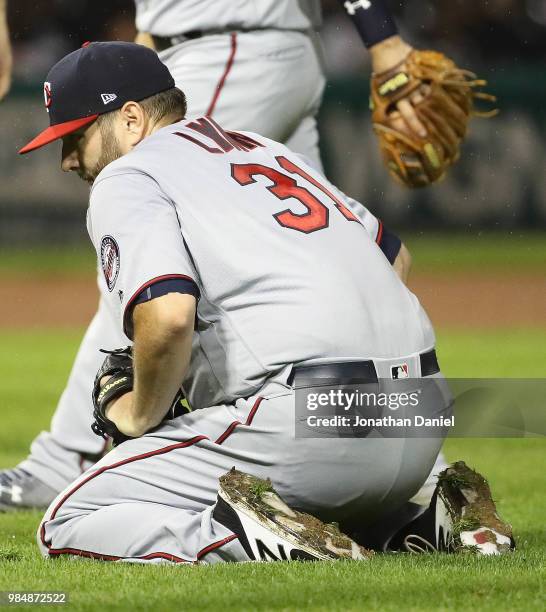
(34, 366)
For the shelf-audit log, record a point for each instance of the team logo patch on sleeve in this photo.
(109, 259)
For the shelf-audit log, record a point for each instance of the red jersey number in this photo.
(284, 187)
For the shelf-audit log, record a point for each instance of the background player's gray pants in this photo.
(59, 456)
(151, 498)
(287, 66)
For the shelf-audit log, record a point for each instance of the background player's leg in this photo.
(61, 455)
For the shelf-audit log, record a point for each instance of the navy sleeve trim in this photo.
(372, 19)
(388, 242)
(162, 287)
(157, 287)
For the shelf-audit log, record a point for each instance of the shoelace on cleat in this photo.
(414, 543)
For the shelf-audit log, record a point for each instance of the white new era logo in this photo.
(106, 98)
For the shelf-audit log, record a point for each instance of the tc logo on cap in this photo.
(47, 95)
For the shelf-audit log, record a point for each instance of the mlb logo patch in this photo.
(399, 371)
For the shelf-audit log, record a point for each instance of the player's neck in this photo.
(163, 122)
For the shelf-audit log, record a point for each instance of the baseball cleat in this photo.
(20, 490)
(269, 530)
(462, 517)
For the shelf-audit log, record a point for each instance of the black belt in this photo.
(164, 42)
(350, 372)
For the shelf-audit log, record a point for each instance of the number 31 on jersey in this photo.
(284, 186)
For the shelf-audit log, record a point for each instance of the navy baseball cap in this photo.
(96, 79)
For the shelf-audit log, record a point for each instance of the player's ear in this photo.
(133, 122)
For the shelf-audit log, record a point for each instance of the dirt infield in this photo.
(455, 300)
(483, 300)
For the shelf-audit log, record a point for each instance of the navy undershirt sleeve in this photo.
(162, 287)
(389, 243)
(155, 290)
(372, 18)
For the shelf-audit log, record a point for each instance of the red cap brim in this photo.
(56, 131)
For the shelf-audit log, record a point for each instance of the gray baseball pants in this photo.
(151, 499)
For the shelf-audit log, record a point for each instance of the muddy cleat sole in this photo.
(20, 490)
(462, 517)
(269, 530)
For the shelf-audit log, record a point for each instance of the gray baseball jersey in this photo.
(174, 17)
(260, 235)
(219, 75)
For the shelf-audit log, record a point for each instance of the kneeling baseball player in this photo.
(241, 275)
